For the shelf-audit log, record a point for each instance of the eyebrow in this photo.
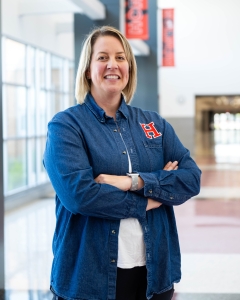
(121, 52)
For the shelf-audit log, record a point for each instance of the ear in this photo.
(88, 74)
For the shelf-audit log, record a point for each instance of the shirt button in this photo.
(150, 191)
(124, 152)
(113, 261)
(171, 198)
(115, 130)
(113, 231)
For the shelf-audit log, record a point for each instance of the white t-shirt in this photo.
(131, 247)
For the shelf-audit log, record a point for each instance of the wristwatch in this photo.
(134, 177)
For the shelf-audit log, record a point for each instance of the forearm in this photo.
(124, 183)
(171, 188)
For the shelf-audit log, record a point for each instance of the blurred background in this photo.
(188, 57)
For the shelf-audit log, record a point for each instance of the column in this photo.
(2, 274)
(146, 95)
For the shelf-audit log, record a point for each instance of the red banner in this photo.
(136, 19)
(168, 38)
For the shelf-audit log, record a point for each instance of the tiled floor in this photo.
(209, 224)
(209, 231)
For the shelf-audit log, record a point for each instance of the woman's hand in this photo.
(171, 166)
(152, 204)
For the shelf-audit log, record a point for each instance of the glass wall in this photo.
(36, 85)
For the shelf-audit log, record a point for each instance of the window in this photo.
(36, 85)
(14, 60)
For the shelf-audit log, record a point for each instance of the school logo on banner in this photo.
(168, 38)
(150, 130)
(136, 19)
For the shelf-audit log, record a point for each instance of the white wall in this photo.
(38, 30)
(207, 54)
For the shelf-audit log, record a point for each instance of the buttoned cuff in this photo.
(153, 190)
(138, 209)
(151, 185)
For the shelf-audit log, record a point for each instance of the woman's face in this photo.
(109, 68)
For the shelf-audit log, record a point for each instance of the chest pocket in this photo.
(154, 152)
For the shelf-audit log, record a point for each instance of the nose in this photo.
(112, 63)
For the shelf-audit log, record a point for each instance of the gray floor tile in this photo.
(206, 297)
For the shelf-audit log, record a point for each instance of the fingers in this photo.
(152, 204)
(102, 178)
(167, 165)
(97, 180)
(171, 166)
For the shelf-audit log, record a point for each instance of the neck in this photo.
(109, 103)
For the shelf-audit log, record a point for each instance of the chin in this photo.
(114, 91)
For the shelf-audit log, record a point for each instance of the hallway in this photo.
(209, 232)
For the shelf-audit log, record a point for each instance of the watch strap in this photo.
(134, 177)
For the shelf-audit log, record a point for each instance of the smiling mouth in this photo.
(111, 77)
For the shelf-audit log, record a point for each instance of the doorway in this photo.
(217, 126)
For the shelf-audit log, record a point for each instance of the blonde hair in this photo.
(83, 84)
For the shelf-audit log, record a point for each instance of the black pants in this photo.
(132, 285)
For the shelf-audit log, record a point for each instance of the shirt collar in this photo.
(99, 112)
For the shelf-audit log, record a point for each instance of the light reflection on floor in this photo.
(209, 230)
(28, 235)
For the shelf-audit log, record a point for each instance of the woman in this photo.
(117, 171)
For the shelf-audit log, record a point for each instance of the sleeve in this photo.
(172, 187)
(66, 162)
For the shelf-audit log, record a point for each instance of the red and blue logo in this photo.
(150, 130)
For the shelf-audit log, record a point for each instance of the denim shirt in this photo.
(83, 142)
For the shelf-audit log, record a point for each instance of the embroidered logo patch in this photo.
(150, 130)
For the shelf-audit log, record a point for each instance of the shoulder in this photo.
(145, 114)
(68, 114)
(67, 123)
(69, 119)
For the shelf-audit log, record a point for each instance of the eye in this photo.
(102, 57)
(120, 57)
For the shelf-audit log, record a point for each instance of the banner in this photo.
(136, 19)
(168, 38)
